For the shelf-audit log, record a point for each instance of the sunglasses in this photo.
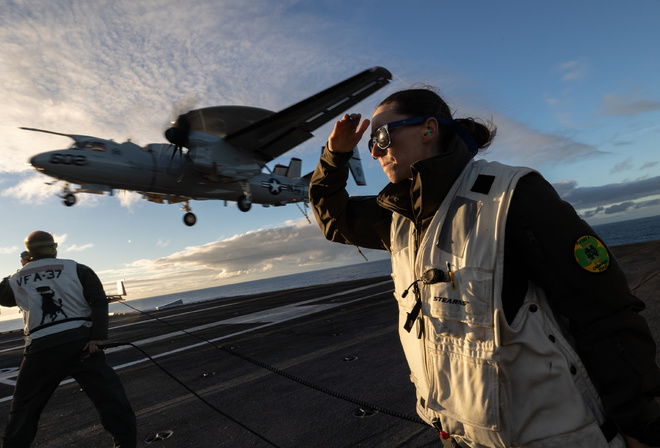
(382, 136)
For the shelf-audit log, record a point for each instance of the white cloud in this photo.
(574, 70)
(59, 239)
(34, 189)
(518, 144)
(77, 248)
(256, 254)
(128, 199)
(118, 70)
(632, 103)
(10, 250)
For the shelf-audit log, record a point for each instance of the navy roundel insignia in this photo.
(591, 254)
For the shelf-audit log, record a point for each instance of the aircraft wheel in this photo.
(244, 204)
(69, 200)
(189, 219)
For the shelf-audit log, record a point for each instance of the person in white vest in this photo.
(517, 322)
(65, 312)
(25, 257)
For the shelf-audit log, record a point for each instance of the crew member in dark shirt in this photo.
(440, 213)
(65, 313)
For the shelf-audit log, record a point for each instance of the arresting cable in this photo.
(231, 351)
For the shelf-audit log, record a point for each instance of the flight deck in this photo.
(319, 366)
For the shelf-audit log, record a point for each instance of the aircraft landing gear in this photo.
(69, 199)
(189, 218)
(244, 203)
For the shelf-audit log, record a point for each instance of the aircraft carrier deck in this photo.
(297, 368)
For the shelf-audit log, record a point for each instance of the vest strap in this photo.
(50, 324)
(412, 315)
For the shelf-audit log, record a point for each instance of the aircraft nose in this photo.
(38, 161)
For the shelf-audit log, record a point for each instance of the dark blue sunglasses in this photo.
(382, 136)
(383, 139)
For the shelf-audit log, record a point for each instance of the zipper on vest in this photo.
(418, 236)
(414, 314)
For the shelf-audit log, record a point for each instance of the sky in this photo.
(573, 88)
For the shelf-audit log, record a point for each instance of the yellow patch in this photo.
(591, 254)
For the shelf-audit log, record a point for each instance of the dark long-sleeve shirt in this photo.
(602, 315)
(93, 293)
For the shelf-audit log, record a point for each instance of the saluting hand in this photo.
(346, 134)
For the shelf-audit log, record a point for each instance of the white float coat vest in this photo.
(51, 297)
(488, 383)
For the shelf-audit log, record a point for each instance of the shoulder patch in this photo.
(482, 184)
(591, 254)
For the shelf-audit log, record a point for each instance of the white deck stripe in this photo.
(267, 318)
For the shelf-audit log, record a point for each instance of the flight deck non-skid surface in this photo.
(341, 338)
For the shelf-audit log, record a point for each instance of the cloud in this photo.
(592, 213)
(33, 188)
(622, 207)
(622, 166)
(574, 70)
(564, 187)
(8, 250)
(128, 199)
(77, 248)
(605, 195)
(518, 144)
(295, 247)
(618, 208)
(123, 69)
(627, 105)
(60, 239)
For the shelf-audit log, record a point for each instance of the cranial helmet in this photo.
(40, 243)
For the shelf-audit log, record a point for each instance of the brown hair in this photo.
(425, 101)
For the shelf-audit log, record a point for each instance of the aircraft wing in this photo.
(274, 135)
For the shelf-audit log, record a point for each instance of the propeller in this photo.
(177, 134)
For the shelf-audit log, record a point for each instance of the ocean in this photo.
(324, 276)
(345, 273)
(632, 231)
(614, 234)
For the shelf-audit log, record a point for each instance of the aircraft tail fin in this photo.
(295, 168)
(280, 170)
(121, 289)
(121, 292)
(355, 165)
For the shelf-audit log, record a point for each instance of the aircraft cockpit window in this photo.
(89, 144)
(96, 146)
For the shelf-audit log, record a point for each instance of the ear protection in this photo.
(428, 131)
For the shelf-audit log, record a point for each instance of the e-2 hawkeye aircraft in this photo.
(227, 147)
